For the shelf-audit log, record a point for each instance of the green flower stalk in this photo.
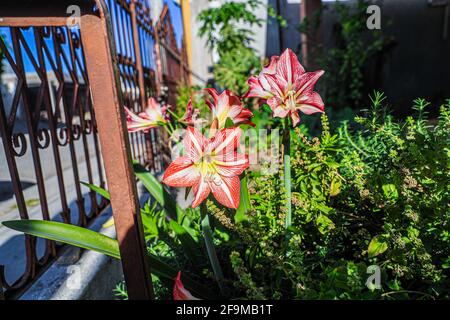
(288, 89)
(210, 249)
(287, 173)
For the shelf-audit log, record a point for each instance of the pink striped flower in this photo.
(227, 105)
(209, 166)
(179, 292)
(192, 116)
(287, 88)
(153, 116)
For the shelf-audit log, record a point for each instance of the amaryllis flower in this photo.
(259, 86)
(227, 105)
(154, 115)
(192, 116)
(179, 292)
(287, 87)
(209, 165)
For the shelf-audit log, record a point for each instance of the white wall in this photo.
(201, 57)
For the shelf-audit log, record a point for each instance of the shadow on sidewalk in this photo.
(6, 188)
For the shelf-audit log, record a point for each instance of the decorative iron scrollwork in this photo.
(19, 142)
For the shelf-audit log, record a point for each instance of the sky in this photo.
(177, 20)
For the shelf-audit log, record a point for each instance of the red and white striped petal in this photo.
(289, 68)
(194, 143)
(201, 192)
(310, 103)
(213, 93)
(154, 111)
(136, 123)
(188, 115)
(280, 112)
(231, 164)
(180, 292)
(225, 141)
(230, 106)
(295, 118)
(229, 99)
(244, 118)
(277, 85)
(259, 86)
(306, 82)
(271, 67)
(226, 190)
(256, 90)
(274, 103)
(181, 173)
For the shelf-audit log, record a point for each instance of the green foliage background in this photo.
(227, 31)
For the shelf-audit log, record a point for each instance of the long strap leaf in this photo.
(66, 233)
(190, 246)
(157, 190)
(104, 193)
(245, 204)
(88, 239)
(210, 249)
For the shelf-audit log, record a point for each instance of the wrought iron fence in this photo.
(56, 80)
(174, 67)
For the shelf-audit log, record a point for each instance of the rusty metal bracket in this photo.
(103, 74)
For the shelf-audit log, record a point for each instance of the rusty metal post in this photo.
(103, 76)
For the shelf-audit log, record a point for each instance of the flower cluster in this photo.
(287, 88)
(153, 116)
(212, 164)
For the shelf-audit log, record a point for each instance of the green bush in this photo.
(375, 195)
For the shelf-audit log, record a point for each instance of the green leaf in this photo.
(104, 193)
(190, 246)
(66, 233)
(390, 191)
(210, 248)
(150, 226)
(324, 208)
(324, 224)
(335, 187)
(158, 192)
(88, 239)
(376, 247)
(244, 205)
